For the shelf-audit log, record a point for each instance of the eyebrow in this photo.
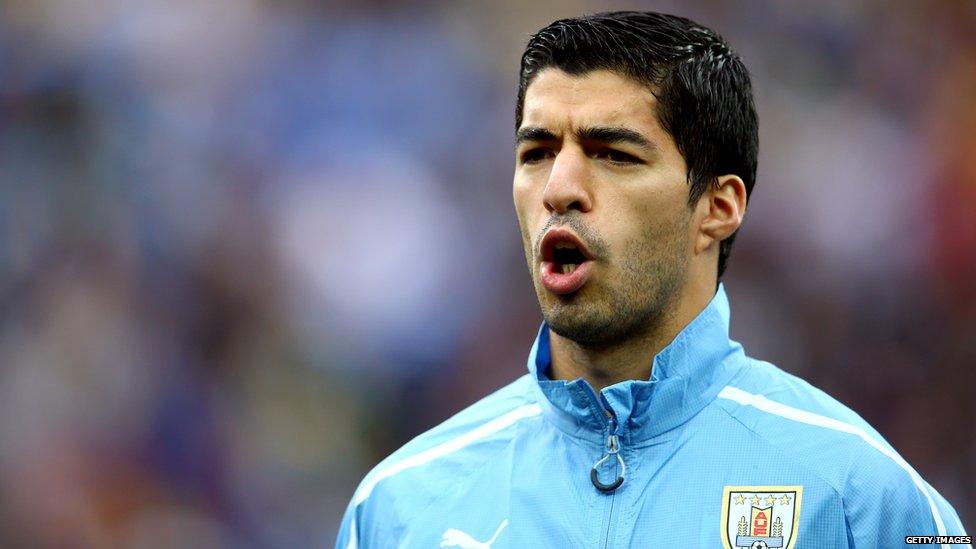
(533, 133)
(615, 135)
(603, 134)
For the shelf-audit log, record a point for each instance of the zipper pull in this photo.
(613, 449)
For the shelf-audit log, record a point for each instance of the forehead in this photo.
(561, 101)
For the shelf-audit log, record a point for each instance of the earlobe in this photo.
(726, 202)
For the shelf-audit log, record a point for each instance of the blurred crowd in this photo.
(248, 248)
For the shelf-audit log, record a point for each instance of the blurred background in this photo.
(248, 248)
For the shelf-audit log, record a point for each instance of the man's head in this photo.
(636, 144)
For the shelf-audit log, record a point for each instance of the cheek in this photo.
(525, 201)
(641, 226)
(628, 216)
(525, 215)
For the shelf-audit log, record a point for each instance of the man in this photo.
(640, 423)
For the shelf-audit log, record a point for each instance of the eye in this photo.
(532, 156)
(618, 157)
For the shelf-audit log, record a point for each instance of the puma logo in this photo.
(453, 537)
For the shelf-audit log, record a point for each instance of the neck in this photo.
(632, 358)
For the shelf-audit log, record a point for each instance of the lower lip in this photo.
(558, 283)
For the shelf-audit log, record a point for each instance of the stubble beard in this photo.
(632, 297)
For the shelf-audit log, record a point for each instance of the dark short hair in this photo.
(703, 90)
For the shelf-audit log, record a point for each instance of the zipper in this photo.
(612, 451)
(606, 533)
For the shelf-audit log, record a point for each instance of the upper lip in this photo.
(547, 248)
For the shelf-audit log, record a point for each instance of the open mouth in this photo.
(567, 257)
(566, 263)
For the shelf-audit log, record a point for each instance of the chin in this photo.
(596, 323)
(580, 322)
(573, 316)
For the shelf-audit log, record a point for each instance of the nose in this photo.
(568, 187)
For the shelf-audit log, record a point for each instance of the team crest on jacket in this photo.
(760, 517)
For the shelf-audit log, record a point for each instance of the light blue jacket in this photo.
(715, 450)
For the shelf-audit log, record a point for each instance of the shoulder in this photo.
(774, 403)
(421, 469)
(482, 421)
(884, 498)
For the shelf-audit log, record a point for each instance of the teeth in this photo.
(563, 245)
(569, 267)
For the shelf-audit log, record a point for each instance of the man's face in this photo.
(602, 201)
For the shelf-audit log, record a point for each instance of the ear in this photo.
(724, 205)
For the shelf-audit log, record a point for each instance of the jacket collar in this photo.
(685, 376)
